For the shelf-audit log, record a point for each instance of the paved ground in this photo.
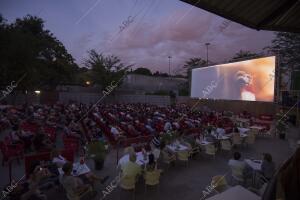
(181, 182)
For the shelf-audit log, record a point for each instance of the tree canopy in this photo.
(28, 48)
(287, 47)
(244, 55)
(142, 71)
(105, 69)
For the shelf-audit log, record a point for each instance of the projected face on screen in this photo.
(246, 80)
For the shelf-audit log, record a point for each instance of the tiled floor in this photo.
(181, 182)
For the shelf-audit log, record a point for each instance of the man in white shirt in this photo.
(237, 166)
(167, 126)
(114, 131)
(220, 131)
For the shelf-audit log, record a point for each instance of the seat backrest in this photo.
(210, 149)
(237, 172)
(152, 177)
(225, 144)
(250, 139)
(29, 159)
(128, 182)
(183, 155)
(236, 139)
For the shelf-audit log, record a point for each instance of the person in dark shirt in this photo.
(267, 166)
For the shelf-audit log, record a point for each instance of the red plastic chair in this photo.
(68, 154)
(36, 157)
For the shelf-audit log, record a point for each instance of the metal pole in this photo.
(169, 65)
(207, 52)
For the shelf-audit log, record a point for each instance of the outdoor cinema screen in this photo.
(250, 80)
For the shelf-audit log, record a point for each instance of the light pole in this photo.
(169, 65)
(207, 44)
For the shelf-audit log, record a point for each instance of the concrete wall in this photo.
(142, 84)
(110, 99)
(254, 107)
(18, 97)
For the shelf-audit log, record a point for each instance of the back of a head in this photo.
(132, 157)
(67, 167)
(151, 159)
(162, 145)
(236, 155)
(268, 157)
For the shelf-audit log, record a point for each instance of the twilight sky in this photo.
(156, 29)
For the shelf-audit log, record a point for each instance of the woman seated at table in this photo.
(74, 186)
(33, 187)
(267, 166)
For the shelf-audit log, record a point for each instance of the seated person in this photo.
(220, 131)
(131, 168)
(73, 185)
(152, 165)
(58, 159)
(237, 166)
(209, 137)
(156, 140)
(115, 132)
(42, 142)
(267, 166)
(155, 151)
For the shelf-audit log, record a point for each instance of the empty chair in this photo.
(183, 156)
(167, 159)
(226, 145)
(195, 150)
(210, 149)
(236, 139)
(152, 178)
(250, 139)
(219, 183)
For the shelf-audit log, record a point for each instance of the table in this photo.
(177, 147)
(242, 135)
(255, 165)
(203, 142)
(259, 128)
(236, 193)
(78, 169)
(139, 159)
(243, 130)
(244, 120)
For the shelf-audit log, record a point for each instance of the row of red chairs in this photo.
(11, 151)
(45, 156)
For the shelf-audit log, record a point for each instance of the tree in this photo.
(27, 48)
(105, 69)
(143, 71)
(287, 46)
(244, 55)
(191, 64)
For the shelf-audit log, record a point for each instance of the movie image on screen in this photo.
(250, 80)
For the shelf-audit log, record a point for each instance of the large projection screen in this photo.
(250, 80)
